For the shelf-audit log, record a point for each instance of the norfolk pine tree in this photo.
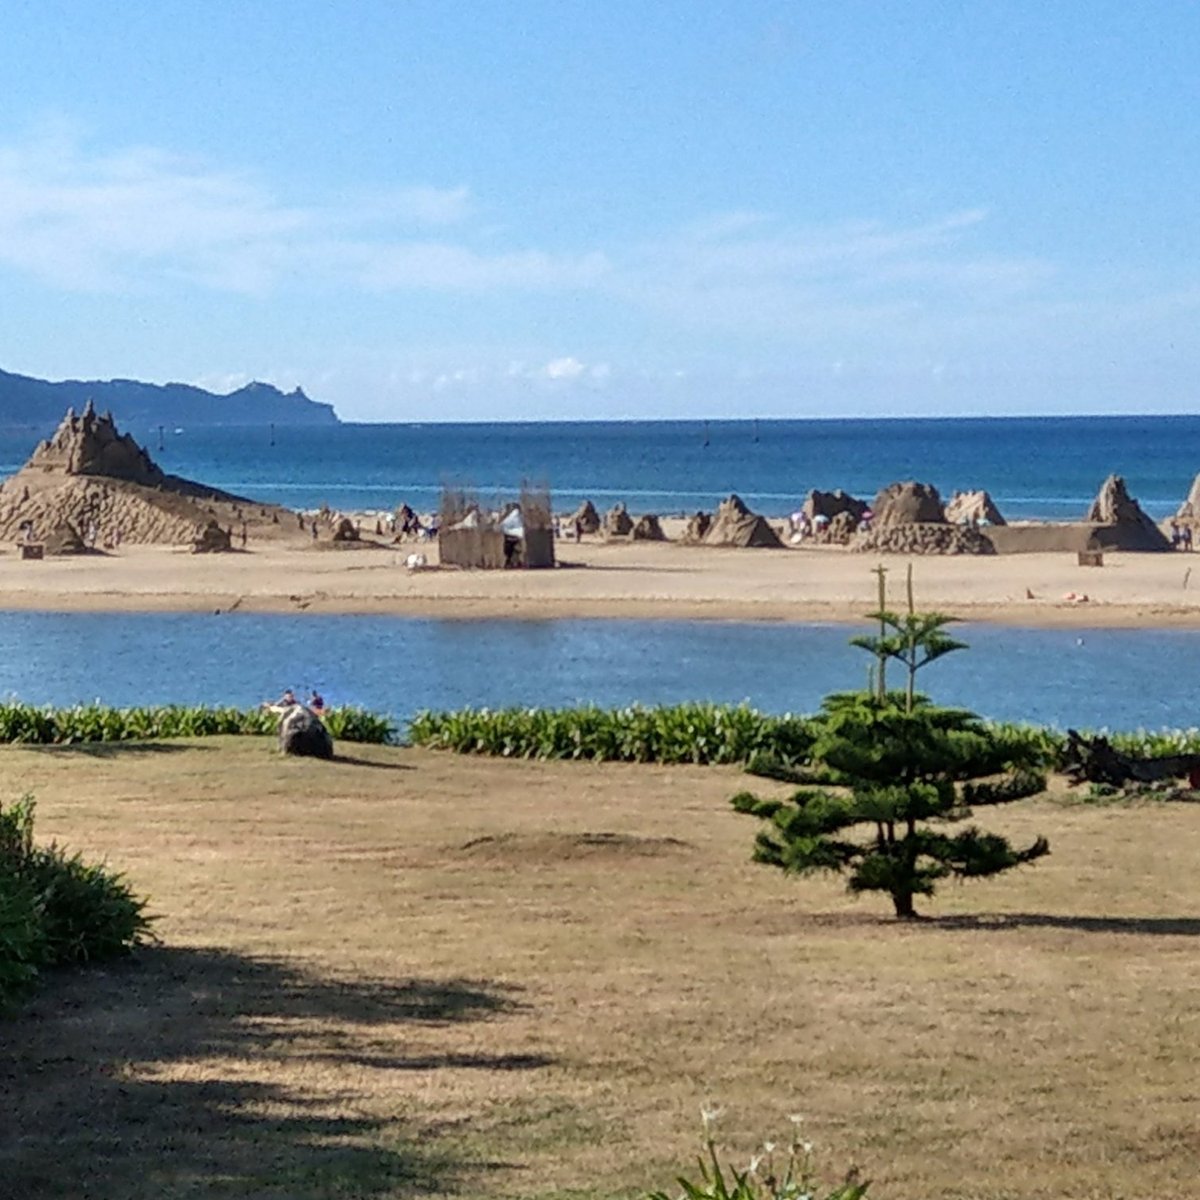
(902, 767)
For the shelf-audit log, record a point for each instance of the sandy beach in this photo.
(609, 580)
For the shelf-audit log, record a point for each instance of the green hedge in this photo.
(682, 733)
(701, 733)
(100, 723)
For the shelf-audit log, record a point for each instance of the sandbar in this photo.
(613, 580)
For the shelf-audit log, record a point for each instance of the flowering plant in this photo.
(763, 1179)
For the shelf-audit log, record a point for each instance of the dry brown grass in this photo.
(420, 974)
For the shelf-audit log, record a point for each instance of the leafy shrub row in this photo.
(100, 723)
(683, 733)
(706, 733)
(56, 909)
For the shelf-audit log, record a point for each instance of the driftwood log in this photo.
(1096, 760)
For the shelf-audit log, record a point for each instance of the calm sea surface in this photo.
(1034, 467)
(1115, 678)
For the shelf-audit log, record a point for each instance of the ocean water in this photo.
(1047, 467)
(1121, 679)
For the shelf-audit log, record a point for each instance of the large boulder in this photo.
(617, 522)
(1114, 506)
(302, 732)
(908, 503)
(647, 529)
(973, 508)
(736, 525)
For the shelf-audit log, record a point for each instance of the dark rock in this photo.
(302, 732)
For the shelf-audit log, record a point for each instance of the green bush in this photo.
(358, 725)
(771, 746)
(55, 909)
(25, 723)
(682, 733)
(20, 938)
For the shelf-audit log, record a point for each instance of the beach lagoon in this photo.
(1118, 678)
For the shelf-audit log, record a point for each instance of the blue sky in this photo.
(425, 211)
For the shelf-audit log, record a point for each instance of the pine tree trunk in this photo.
(904, 906)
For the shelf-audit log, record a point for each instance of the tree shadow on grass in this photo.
(1141, 926)
(200, 1073)
(115, 749)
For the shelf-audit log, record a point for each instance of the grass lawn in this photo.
(418, 974)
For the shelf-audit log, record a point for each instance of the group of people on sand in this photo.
(1181, 536)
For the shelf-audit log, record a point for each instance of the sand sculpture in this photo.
(908, 503)
(833, 504)
(736, 525)
(213, 539)
(1128, 527)
(973, 508)
(698, 525)
(585, 517)
(922, 537)
(647, 529)
(89, 486)
(617, 522)
(841, 528)
(345, 530)
(1189, 510)
(909, 519)
(90, 445)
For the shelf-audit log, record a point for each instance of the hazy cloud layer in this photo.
(736, 294)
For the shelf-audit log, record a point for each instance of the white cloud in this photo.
(563, 368)
(440, 265)
(139, 219)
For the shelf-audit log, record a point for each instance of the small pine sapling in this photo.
(902, 767)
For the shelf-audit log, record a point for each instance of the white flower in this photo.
(769, 1147)
(796, 1118)
(710, 1113)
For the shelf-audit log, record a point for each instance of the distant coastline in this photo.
(26, 401)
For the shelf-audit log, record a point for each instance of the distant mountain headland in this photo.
(28, 401)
